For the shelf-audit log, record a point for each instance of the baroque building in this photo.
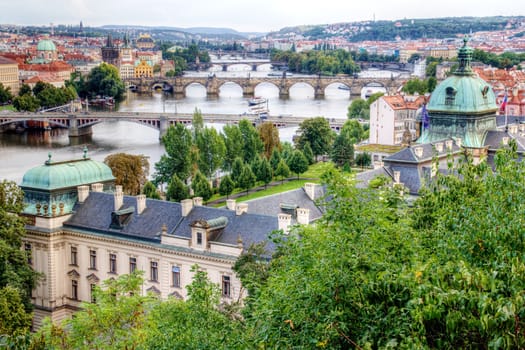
(83, 230)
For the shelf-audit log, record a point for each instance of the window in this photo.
(74, 289)
(199, 238)
(29, 253)
(132, 264)
(154, 271)
(93, 259)
(92, 290)
(73, 260)
(226, 286)
(175, 276)
(113, 263)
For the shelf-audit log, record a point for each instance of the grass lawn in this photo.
(313, 174)
(7, 108)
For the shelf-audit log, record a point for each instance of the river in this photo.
(23, 151)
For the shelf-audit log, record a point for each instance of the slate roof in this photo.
(364, 178)
(494, 139)
(272, 205)
(95, 215)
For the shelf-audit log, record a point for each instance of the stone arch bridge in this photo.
(213, 84)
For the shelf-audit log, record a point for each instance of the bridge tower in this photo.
(75, 130)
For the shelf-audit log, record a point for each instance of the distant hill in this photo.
(404, 28)
(163, 32)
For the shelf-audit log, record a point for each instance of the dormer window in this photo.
(450, 95)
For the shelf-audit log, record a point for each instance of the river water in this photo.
(20, 152)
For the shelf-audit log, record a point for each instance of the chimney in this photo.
(458, 141)
(448, 145)
(397, 176)
(197, 201)
(83, 193)
(439, 147)
(230, 204)
(303, 216)
(241, 208)
(98, 187)
(119, 197)
(505, 140)
(418, 151)
(309, 188)
(186, 206)
(284, 222)
(141, 203)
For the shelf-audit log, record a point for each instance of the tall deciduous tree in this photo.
(253, 146)
(5, 94)
(178, 143)
(282, 170)
(150, 190)
(227, 186)
(358, 109)
(317, 132)
(131, 171)
(275, 159)
(269, 135)
(104, 80)
(246, 179)
(201, 187)
(17, 278)
(211, 151)
(177, 190)
(297, 163)
(264, 172)
(234, 146)
(237, 166)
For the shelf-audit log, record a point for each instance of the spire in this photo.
(464, 59)
(109, 42)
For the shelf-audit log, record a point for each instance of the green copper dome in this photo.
(46, 45)
(52, 176)
(463, 92)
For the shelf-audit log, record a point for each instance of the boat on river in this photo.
(257, 101)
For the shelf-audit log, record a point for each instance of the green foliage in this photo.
(201, 187)
(317, 132)
(308, 153)
(282, 171)
(420, 86)
(177, 190)
(237, 167)
(297, 163)
(504, 61)
(150, 190)
(359, 108)
(211, 151)
(26, 103)
(227, 186)
(264, 172)
(317, 62)
(269, 134)
(342, 153)
(50, 96)
(104, 80)
(5, 94)
(178, 143)
(130, 171)
(363, 159)
(24, 90)
(17, 278)
(246, 178)
(252, 143)
(276, 158)
(232, 135)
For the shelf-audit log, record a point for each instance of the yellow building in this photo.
(143, 70)
(9, 74)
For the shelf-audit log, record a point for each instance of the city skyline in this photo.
(242, 16)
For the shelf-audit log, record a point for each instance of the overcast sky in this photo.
(241, 15)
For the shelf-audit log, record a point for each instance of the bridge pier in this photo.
(163, 126)
(248, 91)
(75, 130)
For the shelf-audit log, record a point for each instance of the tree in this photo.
(234, 148)
(276, 158)
(308, 153)
(177, 190)
(237, 166)
(269, 134)
(211, 151)
(297, 163)
(342, 152)
(116, 319)
(104, 80)
(282, 170)
(26, 103)
(264, 172)
(317, 132)
(197, 122)
(363, 159)
(24, 90)
(227, 186)
(252, 144)
(415, 85)
(358, 109)
(374, 97)
(150, 190)
(201, 187)
(5, 94)
(178, 143)
(246, 179)
(130, 171)
(17, 278)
